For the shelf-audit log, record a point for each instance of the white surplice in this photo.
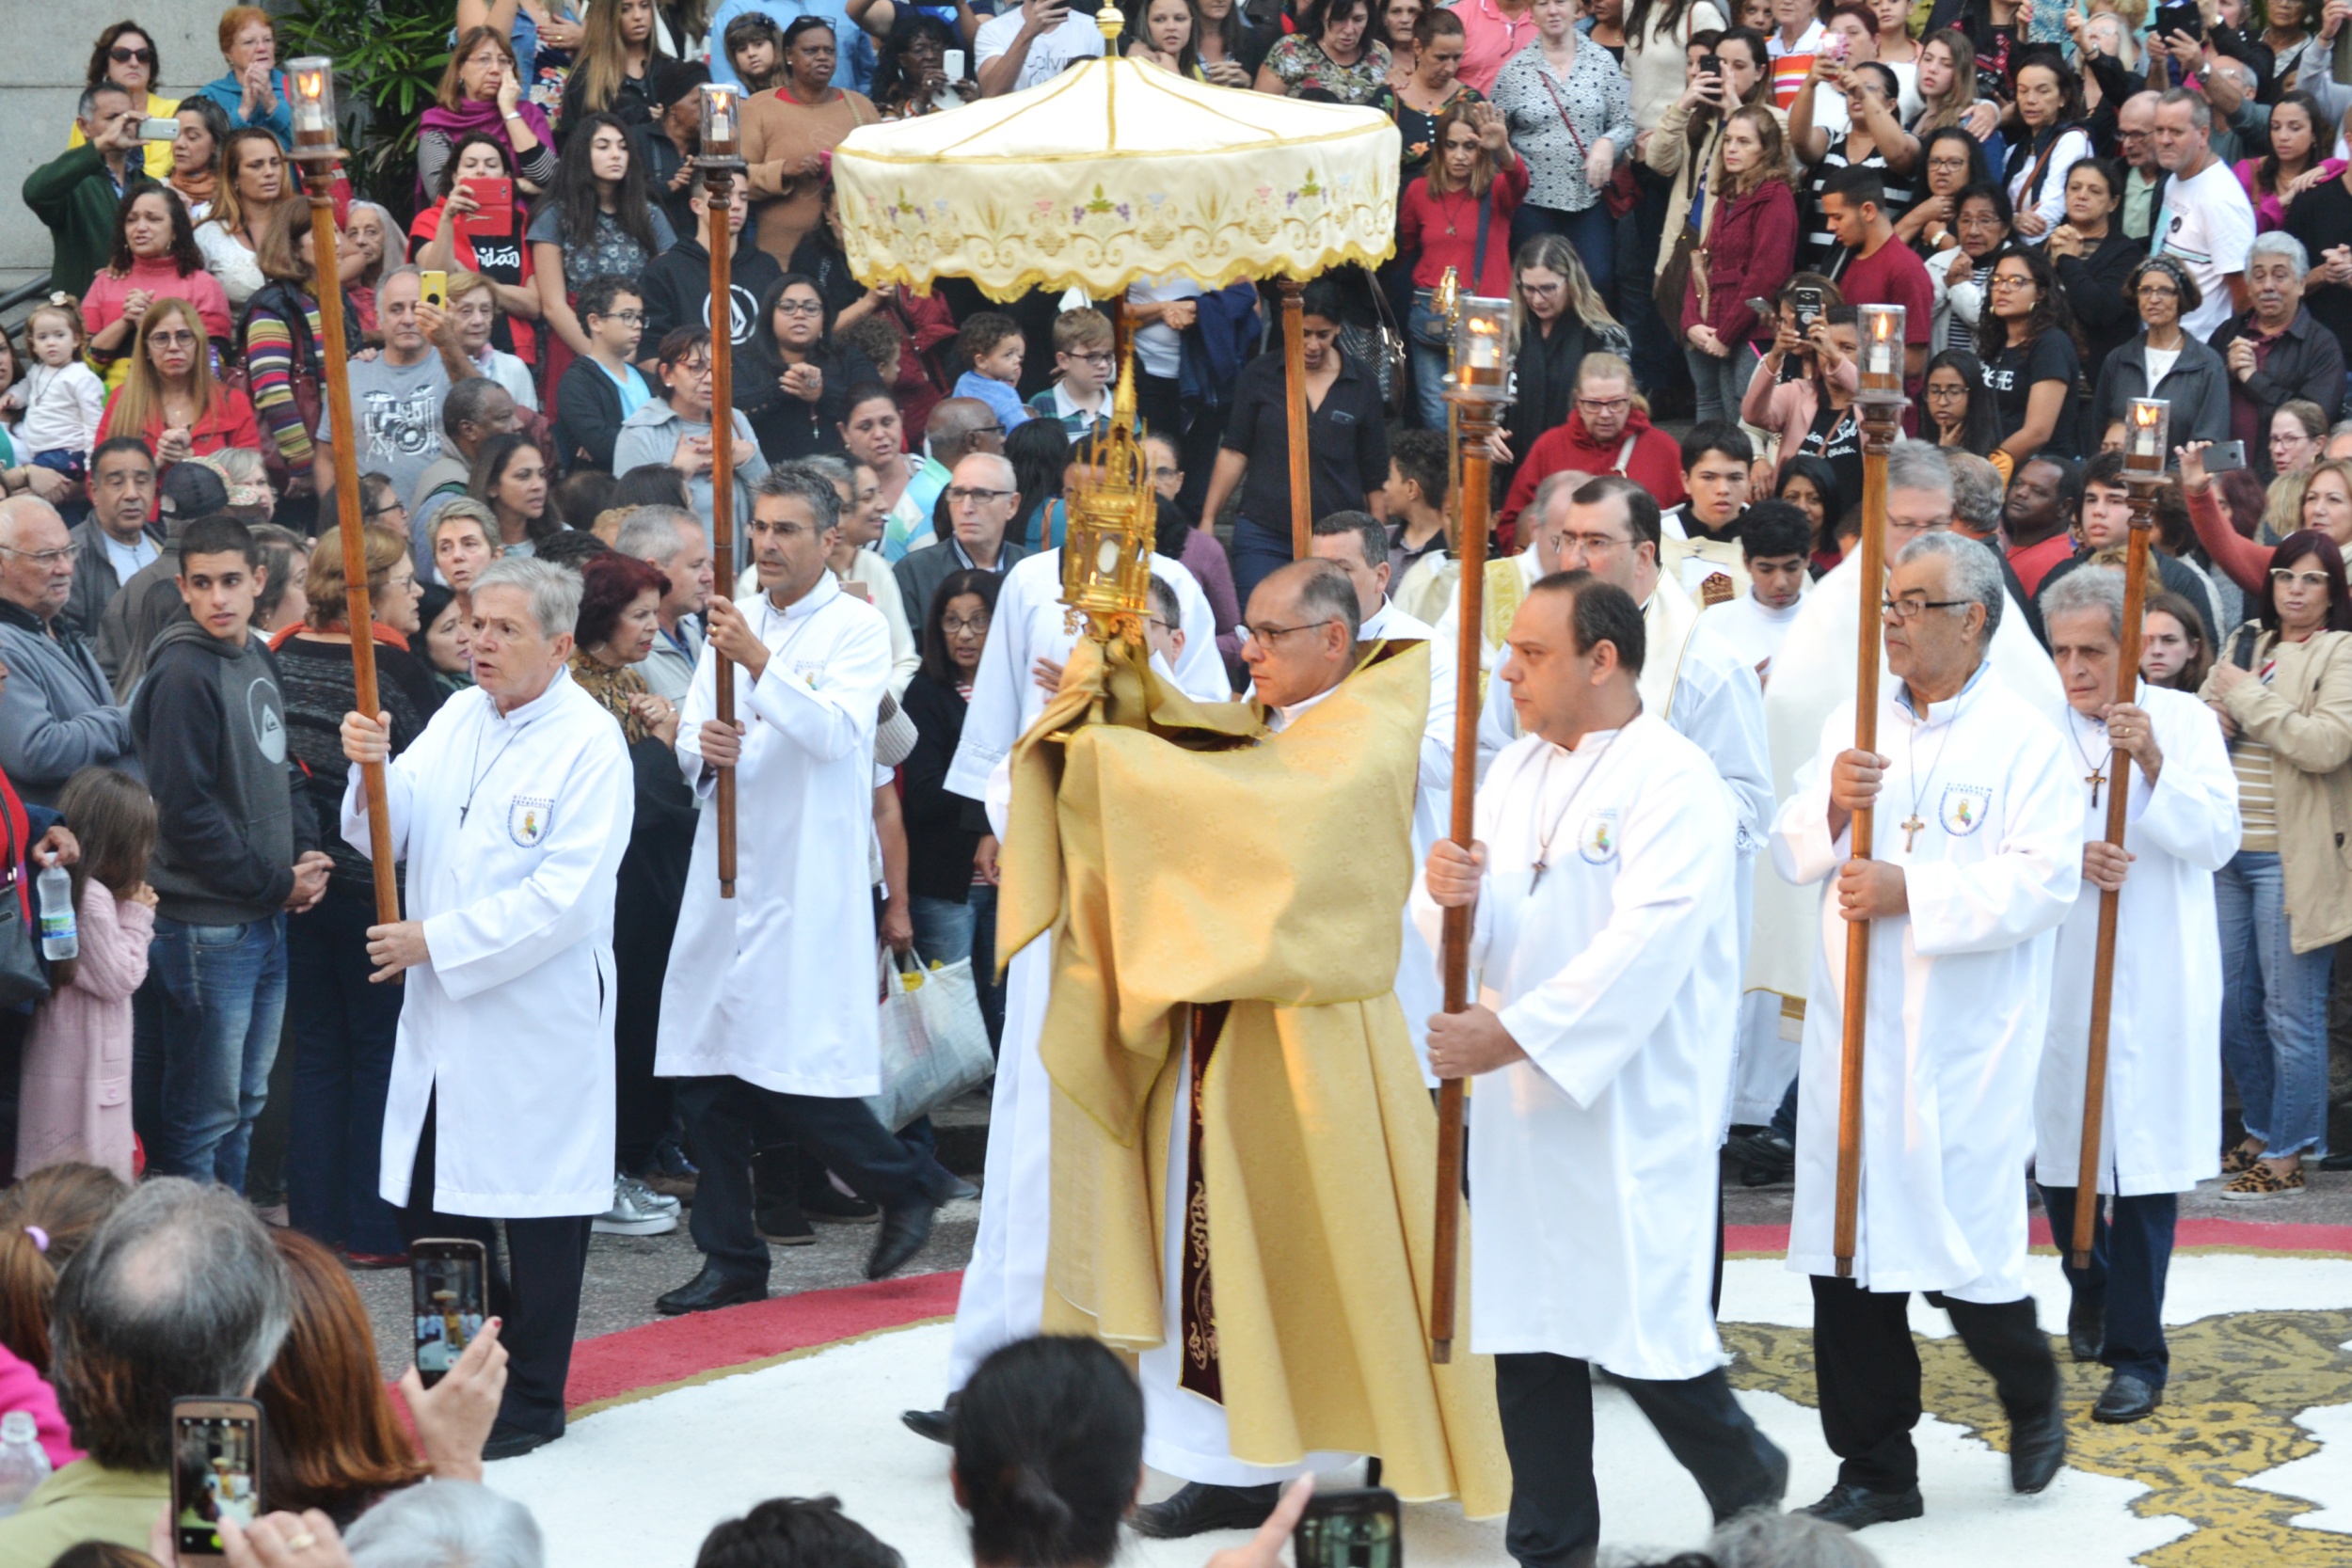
(1754, 631)
(776, 985)
(1003, 1295)
(1419, 990)
(1813, 674)
(1593, 1162)
(1959, 992)
(512, 827)
(2164, 1075)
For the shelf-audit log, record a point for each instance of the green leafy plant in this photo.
(389, 59)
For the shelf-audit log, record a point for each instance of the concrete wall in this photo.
(44, 51)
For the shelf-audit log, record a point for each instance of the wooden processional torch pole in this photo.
(1882, 401)
(722, 163)
(2145, 433)
(311, 91)
(1295, 406)
(1480, 388)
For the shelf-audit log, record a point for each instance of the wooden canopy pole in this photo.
(1476, 421)
(2143, 489)
(1295, 386)
(720, 170)
(1882, 421)
(322, 165)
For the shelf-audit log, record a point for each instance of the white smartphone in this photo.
(951, 61)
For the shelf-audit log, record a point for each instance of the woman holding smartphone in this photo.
(441, 240)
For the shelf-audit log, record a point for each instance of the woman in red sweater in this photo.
(1458, 216)
(1749, 243)
(169, 400)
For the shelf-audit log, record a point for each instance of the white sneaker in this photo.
(627, 1218)
(644, 1196)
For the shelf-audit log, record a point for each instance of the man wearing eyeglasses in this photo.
(982, 501)
(57, 713)
(1976, 859)
(2143, 182)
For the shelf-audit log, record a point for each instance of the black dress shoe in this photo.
(904, 1230)
(2037, 1446)
(2086, 1329)
(961, 1189)
(937, 1425)
(712, 1287)
(2128, 1398)
(509, 1442)
(1194, 1507)
(827, 1204)
(1859, 1508)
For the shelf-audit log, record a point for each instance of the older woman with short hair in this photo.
(253, 94)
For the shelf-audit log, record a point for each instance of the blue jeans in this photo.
(946, 931)
(204, 1033)
(344, 1028)
(2131, 1253)
(1257, 551)
(2274, 1010)
(1431, 348)
(1722, 383)
(1592, 232)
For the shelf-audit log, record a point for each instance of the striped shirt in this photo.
(2257, 800)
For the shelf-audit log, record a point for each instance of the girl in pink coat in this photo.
(75, 1100)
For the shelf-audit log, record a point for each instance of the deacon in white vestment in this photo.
(769, 1011)
(1355, 542)
(512, 810)
(2163, 1094)
(1977, 846)
(1003, 1295)
(1606, 936)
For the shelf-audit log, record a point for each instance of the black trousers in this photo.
(534, 1291)
(726, 1118)
(1866, 1369)
(2131, 1255)
(1547, 1406)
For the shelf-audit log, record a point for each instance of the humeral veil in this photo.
(1208, 882)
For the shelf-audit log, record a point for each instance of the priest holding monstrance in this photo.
(1221, 881)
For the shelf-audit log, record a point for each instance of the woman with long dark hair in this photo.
(511, 478)
(2296, 162)
(2092, 257)
(1957, 410)
(1557, 318)
(441, 238)
(2050, 105)
(1163, 32)
(793, 380)
(954, 900)
(596, 221)
(195, 172)
(1434, 87)
(1333, 51)
(1038, 452)
(1812, 487)
(2031, 364)
(1457, 218)
(1230, 50)
(154, 258)
(789, 132)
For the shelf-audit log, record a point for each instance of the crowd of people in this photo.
(1686, 203)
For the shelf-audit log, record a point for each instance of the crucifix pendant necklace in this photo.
(481, 773)
(2098, 774)
(1911, 825)
(1543, 847)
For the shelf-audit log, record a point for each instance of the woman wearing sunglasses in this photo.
(124, 56)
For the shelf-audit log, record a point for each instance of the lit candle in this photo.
(718, 120)
(1883, 348)
(1483, 351)
(310, 84)
(2144, 434)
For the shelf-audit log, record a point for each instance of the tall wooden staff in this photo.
(2144, 447)
(722, 163)
(1294, 400)
(310, 89)
(1882, 402)
(1482, 381)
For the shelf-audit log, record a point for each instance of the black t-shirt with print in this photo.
(2011, 376)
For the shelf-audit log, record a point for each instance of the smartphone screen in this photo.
(2180, 19)
(1349, 1530)
(215, 1471)
(447, 1286)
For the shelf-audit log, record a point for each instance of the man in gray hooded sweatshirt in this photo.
(237, 848)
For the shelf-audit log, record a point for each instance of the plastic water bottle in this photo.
(58, 940)
(23, 1463)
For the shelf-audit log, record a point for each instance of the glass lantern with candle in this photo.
(723, 124)
(1482, 349)
(1881, 367)
(311, 91)
(2146, 432)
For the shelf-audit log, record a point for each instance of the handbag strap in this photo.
(1478, 252)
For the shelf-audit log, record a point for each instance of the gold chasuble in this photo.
(1207, 881)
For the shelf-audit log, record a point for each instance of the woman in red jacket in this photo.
(169, 400)
(1749, 242)
(1458, 216)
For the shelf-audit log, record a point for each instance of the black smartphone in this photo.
(216, 1472)
(2180, 19)
(1353, 1529)
(1710, 65)
(449, 1284)
(1808, 302)
(2222, 456)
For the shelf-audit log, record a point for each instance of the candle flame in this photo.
(311, 83)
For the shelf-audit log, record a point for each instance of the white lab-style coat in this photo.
(776, 985)
(2163, 1076)
(1593, 1234)
(1959, 995)
(1420, 989)
(1003, 1295)
(1813, 674)
(512, 827)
